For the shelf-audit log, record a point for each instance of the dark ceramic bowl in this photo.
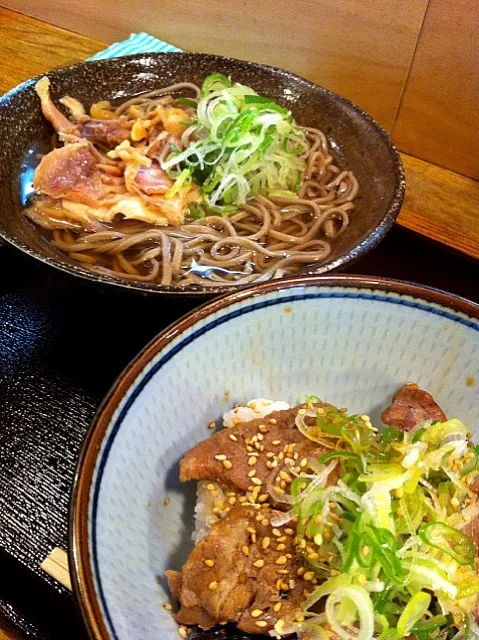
(356, 139)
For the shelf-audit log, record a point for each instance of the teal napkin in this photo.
(136, 43)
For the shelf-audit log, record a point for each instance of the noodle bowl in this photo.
(268, 236)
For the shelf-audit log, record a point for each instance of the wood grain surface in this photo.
(439, 115)
(439, 203)
(442, 205)
(361, 50)
(29, 47)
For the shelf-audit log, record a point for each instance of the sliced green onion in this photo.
(282, 193)
(365, 559)
(188, 102)
(383, 598)
(384, 546)
(360, 599)
(427, 576)
(329, 421)
(239, 147)
(183, 180)
(266, 102)
(424, 629)
(396, 538)
(390, 434)
(350, 428)
(196, 212)
(382, 472)
(436, 433)
(413, 612)
(418, 435)
(448, 540)
(473, 464)
(326, 588)
(339, 454)
(389, 634)
(221, 210)
(214, 82)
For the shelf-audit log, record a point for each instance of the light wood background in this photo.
(410, 63)
(439, 115)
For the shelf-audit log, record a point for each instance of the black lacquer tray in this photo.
(62, 343)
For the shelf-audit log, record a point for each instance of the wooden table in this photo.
(440, 204)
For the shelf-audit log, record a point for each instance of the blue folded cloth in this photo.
(136, 43)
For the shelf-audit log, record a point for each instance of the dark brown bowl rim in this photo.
(79, 557)
(368, 243)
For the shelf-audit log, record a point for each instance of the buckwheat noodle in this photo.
(267, 238)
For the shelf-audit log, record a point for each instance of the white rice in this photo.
(204, 516)
(257, 408)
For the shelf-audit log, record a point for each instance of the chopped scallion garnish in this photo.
(392, 560)
(240, 145)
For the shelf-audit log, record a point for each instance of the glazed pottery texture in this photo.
(356, 140)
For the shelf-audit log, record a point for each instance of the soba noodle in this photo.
(268, 237)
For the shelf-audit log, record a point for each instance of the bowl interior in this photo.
(357, 141)
(352, 347)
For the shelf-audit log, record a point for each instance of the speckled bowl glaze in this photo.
(350, 340)
(356, 139)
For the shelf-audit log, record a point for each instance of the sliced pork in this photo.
(251, 455)
(410, 406)
(70, 172)
(152, 180)
(242, 572)
(106, 132)
(60, 123)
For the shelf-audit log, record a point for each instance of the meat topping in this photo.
(253, 456)
(410, 406)
(70, 172)
(240, 573)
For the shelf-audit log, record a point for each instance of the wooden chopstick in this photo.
(56, 565)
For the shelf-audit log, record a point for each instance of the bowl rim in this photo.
(79, 548)
(370, 241)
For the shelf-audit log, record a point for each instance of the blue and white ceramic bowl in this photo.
(350, 340)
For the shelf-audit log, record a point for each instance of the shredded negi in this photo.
(245, 144)
(387, 542)
(342, 531)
